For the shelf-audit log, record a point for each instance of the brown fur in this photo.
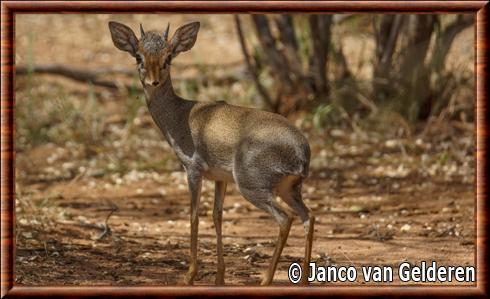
(259, 151)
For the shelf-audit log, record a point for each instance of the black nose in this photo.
(155, 83)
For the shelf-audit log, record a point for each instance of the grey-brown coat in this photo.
(259, 151)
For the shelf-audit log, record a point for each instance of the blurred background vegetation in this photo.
(386, 101)
(326, 70)
(374, 78)
(400, 77)
(405, 57)
(390, 81)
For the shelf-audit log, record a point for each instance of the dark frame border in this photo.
(10, 8)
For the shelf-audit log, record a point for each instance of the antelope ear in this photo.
(123, 38)
(184, 38)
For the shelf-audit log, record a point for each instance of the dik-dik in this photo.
(259, 151)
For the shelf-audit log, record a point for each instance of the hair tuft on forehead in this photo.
(152, 42)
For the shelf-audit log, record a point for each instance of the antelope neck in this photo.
(171, 114)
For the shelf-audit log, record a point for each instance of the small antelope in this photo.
(259, 151)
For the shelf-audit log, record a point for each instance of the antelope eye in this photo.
(139, 59)
(167, 61)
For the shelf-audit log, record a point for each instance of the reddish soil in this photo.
(380, 199)
(372, 220)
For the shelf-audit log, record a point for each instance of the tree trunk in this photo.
(386, 38)
(445, 39)
(320, 35)
(292, 88)
(416, 94)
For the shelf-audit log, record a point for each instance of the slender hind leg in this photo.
(219, 195)
(292, 196)
(264, 200)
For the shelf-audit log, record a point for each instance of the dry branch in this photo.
(286, 31)
(106, 229)
(287, 37)
(443, 44)
(386, 37)
(79, 75)
(276, 59)
(293, 87)
(92, 76)
(251, 67)
(391, 42)
(320, 27)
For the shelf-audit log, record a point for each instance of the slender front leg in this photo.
(194, 180)
(219, 196)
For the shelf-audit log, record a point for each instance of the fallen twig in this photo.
(45, 248)
(107, 229)
(92, 76)
(345, 255)
(80, 75)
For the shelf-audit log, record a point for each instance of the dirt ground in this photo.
(362, 219)
(379, 199)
